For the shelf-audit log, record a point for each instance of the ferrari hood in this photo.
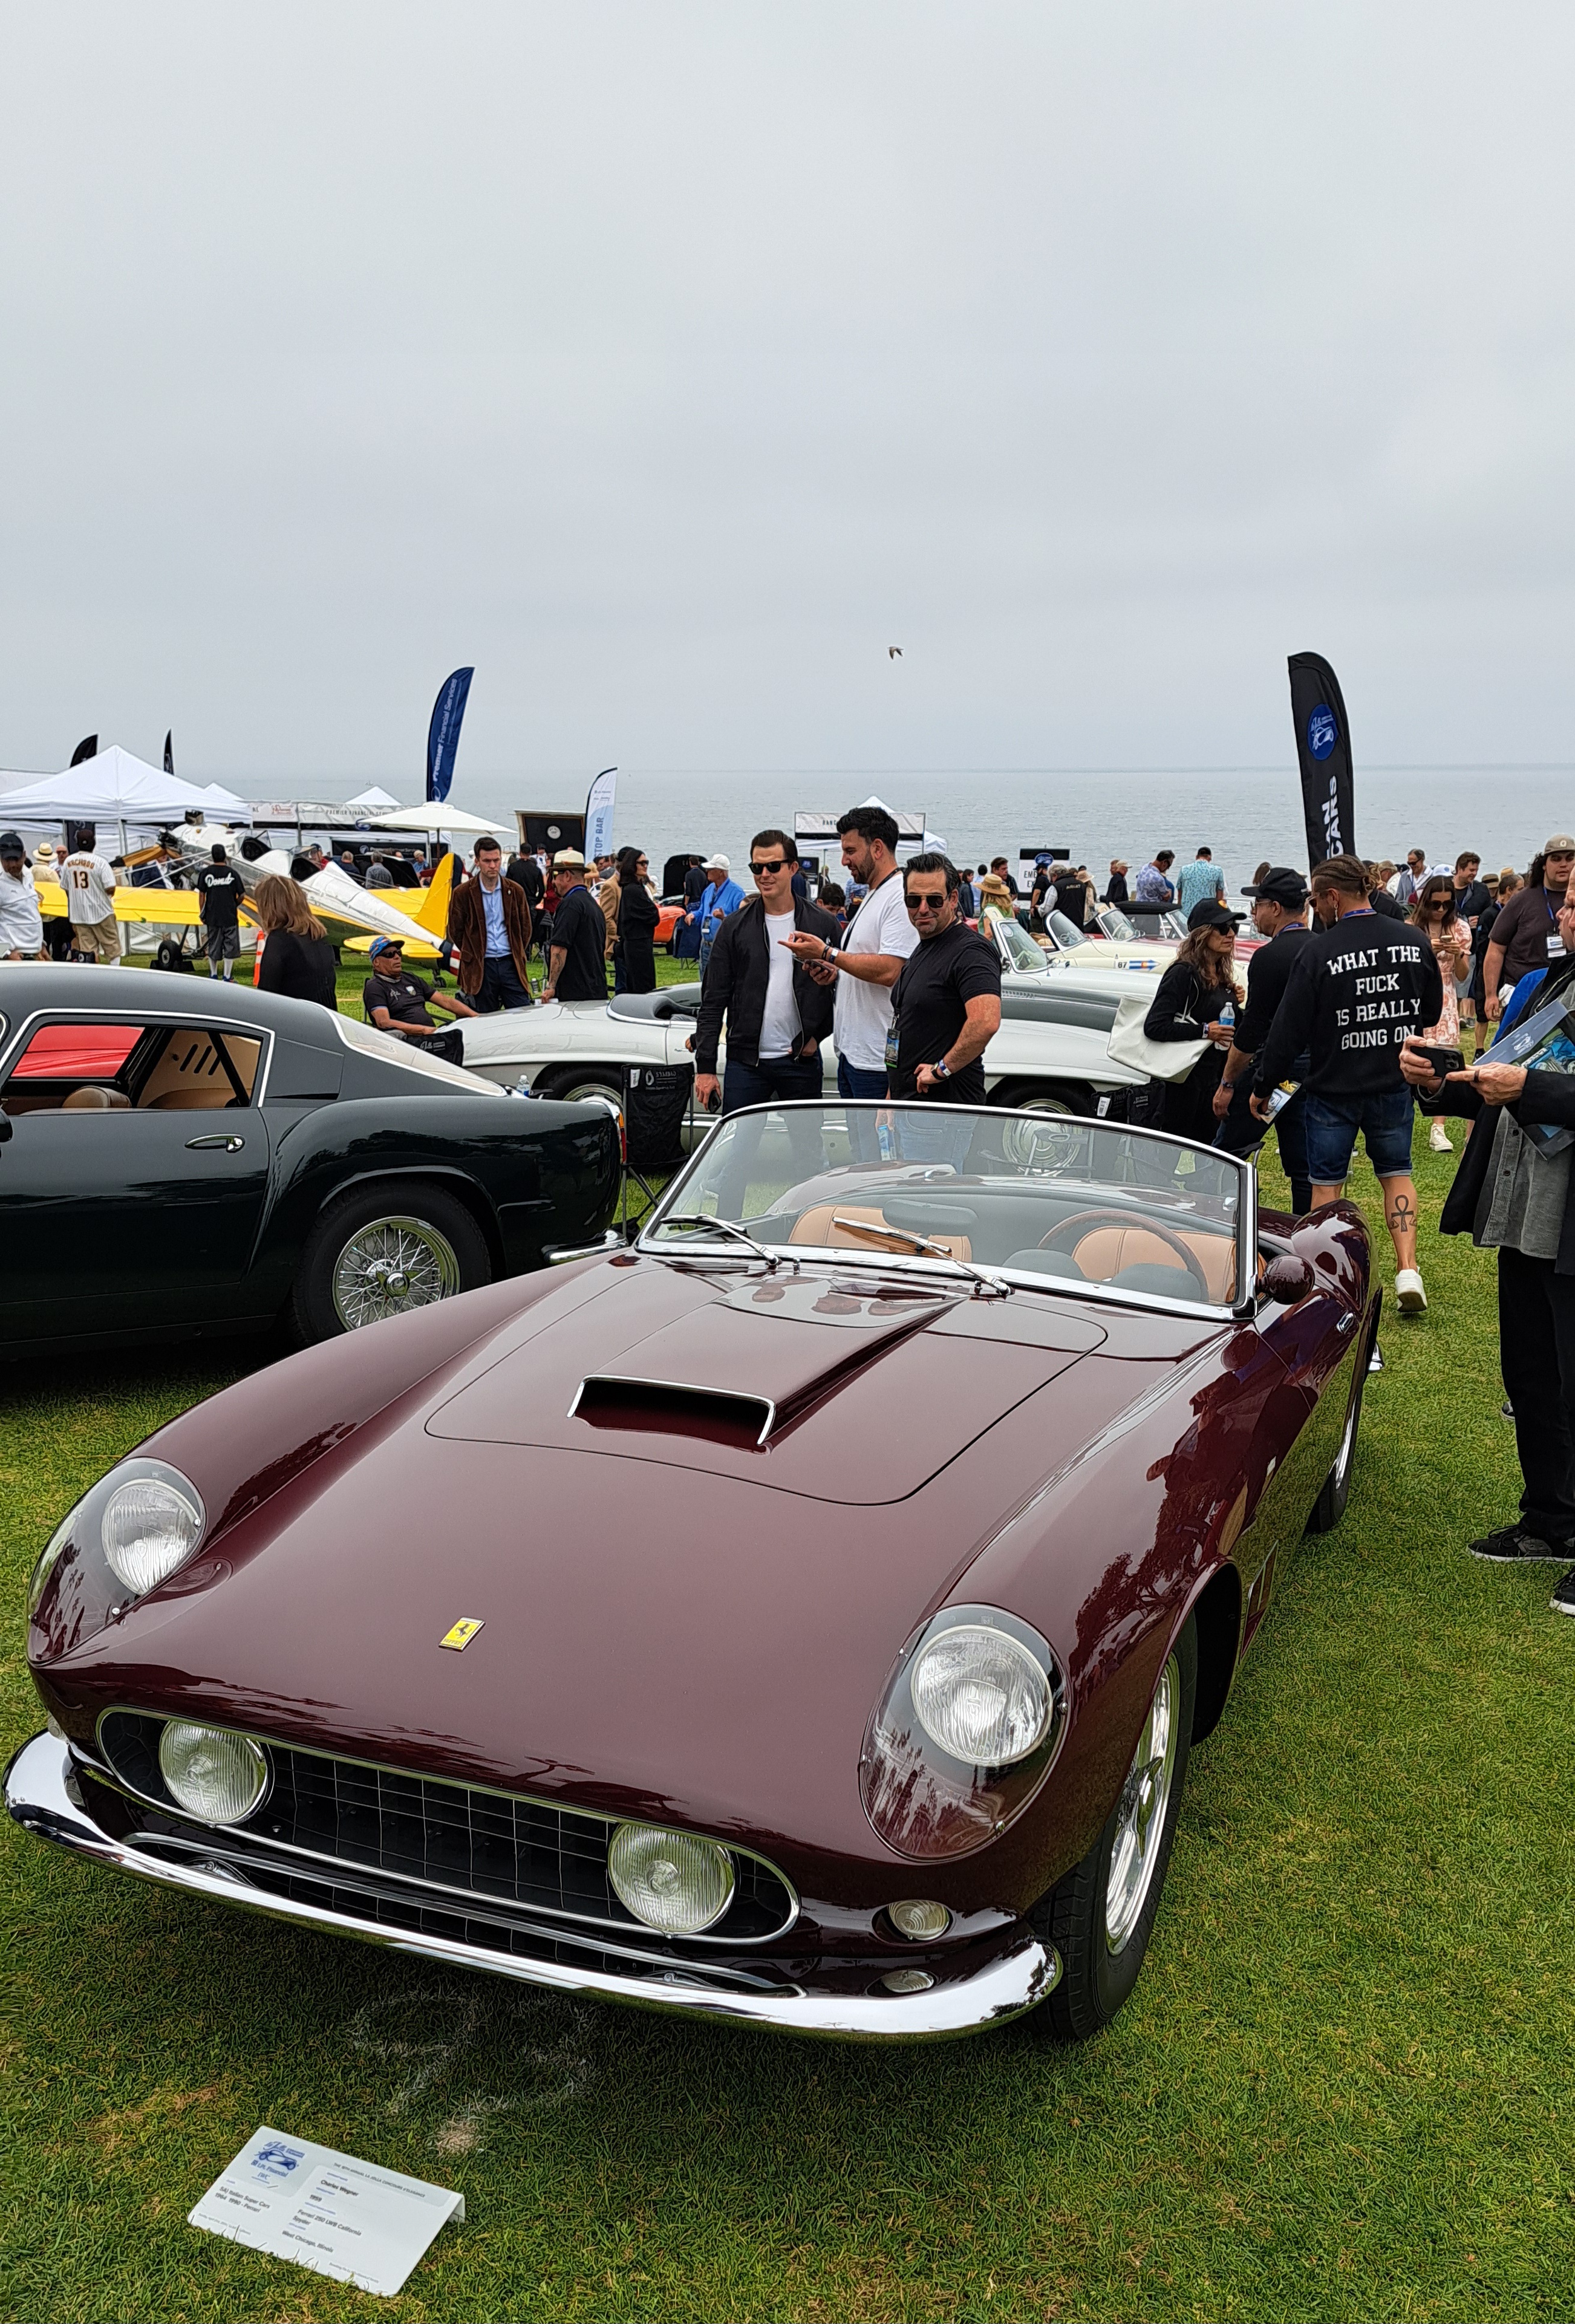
(837, 1387)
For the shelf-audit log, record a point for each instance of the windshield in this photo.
(1054, 1203)
(1115, 925)
(1065, 931)
(1018, 949)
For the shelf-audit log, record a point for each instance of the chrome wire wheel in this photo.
(1141, 1816)
(390, 1266)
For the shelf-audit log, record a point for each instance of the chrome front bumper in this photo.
(42, 1796)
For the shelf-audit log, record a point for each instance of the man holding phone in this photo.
(1512, 1194)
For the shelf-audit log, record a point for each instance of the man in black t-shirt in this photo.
(577, 964)
(218, 884)
(398, 1001)
(1280, 914)
(946, 1004)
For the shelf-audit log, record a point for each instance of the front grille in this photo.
(528, 1853)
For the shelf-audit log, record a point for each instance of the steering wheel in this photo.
(1124, 1219)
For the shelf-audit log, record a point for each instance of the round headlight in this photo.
(981, 1695)
(150, 1525)
(669, 1879)
(919, 1917)
(217, 1777)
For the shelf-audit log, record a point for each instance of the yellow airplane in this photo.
(421, 932)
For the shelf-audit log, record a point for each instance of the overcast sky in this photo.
(670, 362)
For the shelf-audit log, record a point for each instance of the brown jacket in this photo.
(467, 930)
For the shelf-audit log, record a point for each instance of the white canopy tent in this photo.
(115, 787)
(433, 817)
(374, 798)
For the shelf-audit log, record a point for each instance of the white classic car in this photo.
(1048, 1056)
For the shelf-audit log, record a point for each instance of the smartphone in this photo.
(1443, 1061)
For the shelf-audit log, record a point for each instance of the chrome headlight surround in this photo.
(137, 1526)
(922, 1796)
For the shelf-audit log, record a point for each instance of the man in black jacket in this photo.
(1280, 914)
(1360, 986)
(777, 1016)
(1512, 1197)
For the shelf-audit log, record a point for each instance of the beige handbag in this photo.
(1129, 1044)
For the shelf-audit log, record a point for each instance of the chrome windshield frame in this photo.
(943, 1274)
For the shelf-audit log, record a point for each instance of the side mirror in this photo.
(1287, 1279)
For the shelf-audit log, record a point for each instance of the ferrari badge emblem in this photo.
(460, 1635)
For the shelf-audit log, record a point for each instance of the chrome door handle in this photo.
(219, 1144)
(1345, 1323)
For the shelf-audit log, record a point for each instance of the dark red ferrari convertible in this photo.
(803, 1618)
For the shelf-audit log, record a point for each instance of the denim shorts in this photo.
(1332, 1124)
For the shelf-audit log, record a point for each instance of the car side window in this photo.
(86, 1068)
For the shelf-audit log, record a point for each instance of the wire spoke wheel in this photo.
(1140, 1815)
(389, 1265)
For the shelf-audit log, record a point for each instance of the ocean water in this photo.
(1243, 814)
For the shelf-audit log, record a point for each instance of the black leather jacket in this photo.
(735, 980)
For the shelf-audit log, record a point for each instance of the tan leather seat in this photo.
(816, 1227)
(92, 1099)
(211, 1100)
(1104, 1251)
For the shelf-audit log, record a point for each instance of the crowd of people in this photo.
(1374, 988)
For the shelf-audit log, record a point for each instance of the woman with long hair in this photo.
(298, 959)
(1434, 910)
(635, 951)
(1194, 992)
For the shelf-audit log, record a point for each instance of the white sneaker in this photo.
(1437, 1137)
(1409, 1295)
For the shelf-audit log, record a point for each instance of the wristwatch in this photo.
(942, 1070)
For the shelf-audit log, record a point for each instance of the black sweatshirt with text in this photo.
(1356, 991)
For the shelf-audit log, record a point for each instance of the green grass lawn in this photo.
(1336, 2093)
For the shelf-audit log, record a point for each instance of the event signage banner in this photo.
(1323, 748)
(170, 751)
(443, 733)
(598, 814)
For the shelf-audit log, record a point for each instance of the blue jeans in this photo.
(1332, 1123)
(781, 1079)
(867, 1081)
(500, 986)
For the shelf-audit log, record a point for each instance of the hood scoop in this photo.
(684, 1378)
(667, 1408)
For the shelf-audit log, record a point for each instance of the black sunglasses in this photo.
(774, 865)
(924, 903)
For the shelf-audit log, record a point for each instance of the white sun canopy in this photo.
(430, 816)
(116, 787)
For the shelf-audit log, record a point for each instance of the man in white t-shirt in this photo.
(879, 938)
(90, 882)
(21, 923)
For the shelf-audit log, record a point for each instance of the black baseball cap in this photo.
(1281, 885)
(11, 844)
(1211, 915)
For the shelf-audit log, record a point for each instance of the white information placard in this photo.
(344, 2217)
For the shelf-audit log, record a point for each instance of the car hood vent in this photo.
(671, 1408)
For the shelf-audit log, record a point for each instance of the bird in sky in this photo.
(894, 654)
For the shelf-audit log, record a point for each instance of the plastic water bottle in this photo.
(1227, 1016)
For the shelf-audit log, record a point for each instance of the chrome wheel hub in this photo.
(390, 1266)
(1140, 1815)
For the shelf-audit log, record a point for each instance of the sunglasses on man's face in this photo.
(1560, 855)
(921, 902)
(773, 863)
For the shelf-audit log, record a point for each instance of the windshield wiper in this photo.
(922, 1244)
(774, 1259)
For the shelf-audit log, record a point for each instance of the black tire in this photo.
(1044, 1097)
(571, 1082)
(1083, 1913)
(1331, 1505)
(427, 1232)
